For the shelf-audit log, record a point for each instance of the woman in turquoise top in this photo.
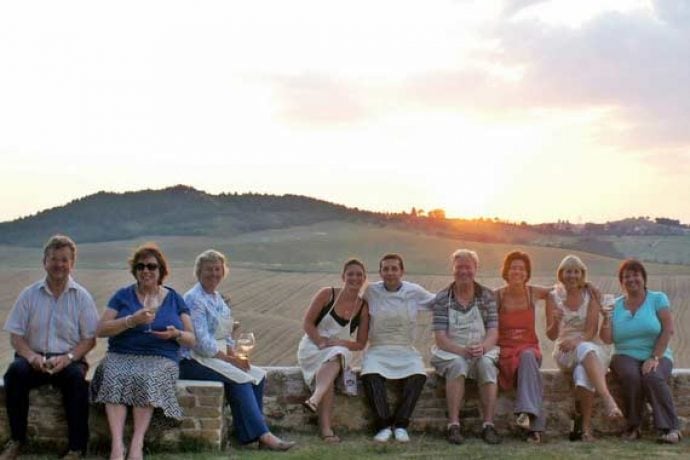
(640, 327)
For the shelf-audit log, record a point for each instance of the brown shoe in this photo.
(454, 435)
(11, 450)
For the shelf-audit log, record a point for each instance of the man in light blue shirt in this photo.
(52, 327)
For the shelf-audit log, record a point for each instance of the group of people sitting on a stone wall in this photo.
(489, 336)
(157, 336)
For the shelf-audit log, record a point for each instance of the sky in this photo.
(523, 109)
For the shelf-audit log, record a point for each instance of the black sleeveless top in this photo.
(342, 321)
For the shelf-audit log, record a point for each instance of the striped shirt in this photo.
(484, 299)
(51, 325)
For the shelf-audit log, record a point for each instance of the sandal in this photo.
(522, 420)
(631, 434)
(330, 438)
(310, 406)
(588, 436)
(613, 412)
(534, 437)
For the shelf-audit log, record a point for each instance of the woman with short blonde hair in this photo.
(572, 320)
(213, 358)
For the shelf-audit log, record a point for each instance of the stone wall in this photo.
(202, 425)
(205, 420)
(285, 391)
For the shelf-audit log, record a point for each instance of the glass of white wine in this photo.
(151, 303)
(608, 301)
(245, 343)
(474, 338)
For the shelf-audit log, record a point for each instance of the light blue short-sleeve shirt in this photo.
(635, 335)
(53, 325)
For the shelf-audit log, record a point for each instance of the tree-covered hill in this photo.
(179, 210)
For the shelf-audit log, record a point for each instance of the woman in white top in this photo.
(326, 347)
(572, 320)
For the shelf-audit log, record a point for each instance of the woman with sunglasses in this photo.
(146, 323)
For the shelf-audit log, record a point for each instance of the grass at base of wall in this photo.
(433, 446)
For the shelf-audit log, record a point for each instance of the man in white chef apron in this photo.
(393, 307)
(465, 325)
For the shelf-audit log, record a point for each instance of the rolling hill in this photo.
(179, 210)
(183, 211)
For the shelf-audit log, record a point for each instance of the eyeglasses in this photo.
(140, 267)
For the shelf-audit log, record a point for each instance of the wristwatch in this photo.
(70, 356)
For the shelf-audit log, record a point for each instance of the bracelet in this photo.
(178, 339)
(127, 319)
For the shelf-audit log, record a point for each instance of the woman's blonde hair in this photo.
(210, 256)
(572, 261)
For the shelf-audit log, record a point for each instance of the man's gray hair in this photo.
(465, 253)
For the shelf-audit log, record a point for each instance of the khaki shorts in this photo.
(483, 369)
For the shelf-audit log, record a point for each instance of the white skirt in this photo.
(310, 358)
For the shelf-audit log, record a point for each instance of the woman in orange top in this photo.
(520, 356)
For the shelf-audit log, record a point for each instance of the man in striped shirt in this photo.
(52, 327)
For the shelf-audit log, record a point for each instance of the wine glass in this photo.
(474, 338)
(245, 343)
(235, 328)
(560, 295)
(151, 303)
(608, 301)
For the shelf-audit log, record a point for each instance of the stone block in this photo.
(210, 423)
(209, 401)
(187, 400)
(203, 412)
(189, 423)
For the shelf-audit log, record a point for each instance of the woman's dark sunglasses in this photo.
(140, 267)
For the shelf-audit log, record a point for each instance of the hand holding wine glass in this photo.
(608, 301)
(151, 304)
(474, 343)
(245, 343)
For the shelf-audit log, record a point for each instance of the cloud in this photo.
(635, 65)
(319, 99)
(635, 62)
(513, 7)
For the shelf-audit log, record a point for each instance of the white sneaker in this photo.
(383, 435)
(401, 435)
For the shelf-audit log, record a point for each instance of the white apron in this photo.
(390, 352)
(464, 328)
(237, 375)
(310, 357)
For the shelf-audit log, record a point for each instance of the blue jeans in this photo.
(245, 399)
